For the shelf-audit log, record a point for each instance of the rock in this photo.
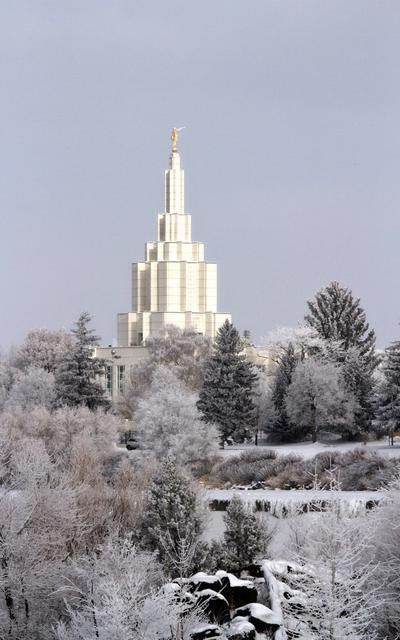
(237, 592)
(240, 629)
(201, 581)
(214, 605)
(263, 619)
(206, 632)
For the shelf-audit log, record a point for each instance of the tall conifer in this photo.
(227, 395)
(76, 375)
(388, 397)
(339, 318)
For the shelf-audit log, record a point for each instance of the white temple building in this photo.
(173, 285)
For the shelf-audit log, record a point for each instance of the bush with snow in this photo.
(355, 470)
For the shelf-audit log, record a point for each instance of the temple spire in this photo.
(174, 185)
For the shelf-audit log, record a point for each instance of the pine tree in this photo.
(227, 395)
(171, 524)
(388, 397)
(244, 537)
(338, 318)
(76, 383)
(283, 377)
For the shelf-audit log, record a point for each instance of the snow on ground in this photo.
(310, 449)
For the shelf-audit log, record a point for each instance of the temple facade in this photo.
(174, 284)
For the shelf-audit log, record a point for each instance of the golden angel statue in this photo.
(174, 136)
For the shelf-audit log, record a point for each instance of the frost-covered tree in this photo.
(316, 399)
(336, 315)
(303, 339)
(245, 538)
(172, 522)
(118, 594)
(168, 421)
(359, 382)
(388, 393)
(40, 525)
(340, 320)
(330, 593)
(227, 395)
(77, 371)
(43, 348)
(32, 388)
(263, 402)
(282, 380)
(7, 376)
(182, 351)
(386, 557)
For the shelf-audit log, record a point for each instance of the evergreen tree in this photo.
(76, 383)
(358, 380)
(244, 537)
(227, 396)
(388, 396)
(171, 524)
(338, 318)
(283, 377)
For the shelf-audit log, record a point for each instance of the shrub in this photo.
(355, 470)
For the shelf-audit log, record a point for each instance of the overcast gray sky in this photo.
(291, 153)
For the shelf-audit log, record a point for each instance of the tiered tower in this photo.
(174, 285)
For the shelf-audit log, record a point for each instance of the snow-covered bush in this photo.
(354, 470)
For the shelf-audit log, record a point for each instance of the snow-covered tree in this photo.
(227, 395)
(182, 351)
(316, 399)
(359, 382)
(340, 320)
(40, 525)
(245, 538)
(7, 376)
(386, 557)
(336, 315)
(388, 393)
(303, 339)
(32, 388)
(282, 380)
(43, 348)
(263, 402)
(118, 594)
(77, 370)
(168, 421)
(329, 592)
(172, 522)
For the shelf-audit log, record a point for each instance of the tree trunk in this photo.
(313, 425)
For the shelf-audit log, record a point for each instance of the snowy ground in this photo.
(310, 449)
